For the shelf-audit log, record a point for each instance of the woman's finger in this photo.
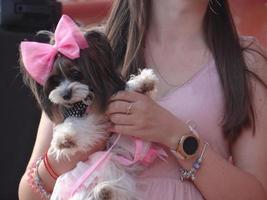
(122, 119)
(119, 107)
(127, 96)
(123, 129)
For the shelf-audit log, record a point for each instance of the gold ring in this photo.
(129, 109)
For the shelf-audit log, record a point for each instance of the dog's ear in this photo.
(52, 111)
(97, 65)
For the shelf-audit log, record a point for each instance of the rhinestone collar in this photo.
(77, 110)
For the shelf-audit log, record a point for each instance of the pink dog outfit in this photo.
(87, 174)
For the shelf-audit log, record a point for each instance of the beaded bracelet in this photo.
(191, 174)
(35, 181)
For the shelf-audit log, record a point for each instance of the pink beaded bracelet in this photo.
(35, 181)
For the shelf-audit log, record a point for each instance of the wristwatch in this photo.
(187, 147)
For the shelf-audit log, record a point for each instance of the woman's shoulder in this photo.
(251, 43)
(255, 56)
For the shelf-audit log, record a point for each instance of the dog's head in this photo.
(67, 84)
(90, 79)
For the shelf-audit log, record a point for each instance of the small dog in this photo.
(75, 95)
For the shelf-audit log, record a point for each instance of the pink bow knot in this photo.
(38, 58)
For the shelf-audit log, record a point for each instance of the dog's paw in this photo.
(105, 194)
(102, 193)
(77, 135)
(145, 82)
(64, 143)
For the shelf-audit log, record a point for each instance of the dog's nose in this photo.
(66, 95)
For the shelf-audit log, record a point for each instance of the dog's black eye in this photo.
(75, 75)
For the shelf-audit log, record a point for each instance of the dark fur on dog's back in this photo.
(97, 69)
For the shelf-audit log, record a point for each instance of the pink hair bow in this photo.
(38, 58)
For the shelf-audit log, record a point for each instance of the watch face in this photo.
(190, 145)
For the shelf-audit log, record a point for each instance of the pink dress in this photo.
(200, 99)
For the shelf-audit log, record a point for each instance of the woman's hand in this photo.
(138, 115)
(63, 164)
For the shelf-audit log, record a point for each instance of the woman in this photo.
(211, 84)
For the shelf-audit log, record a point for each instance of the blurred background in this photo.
(20, 19)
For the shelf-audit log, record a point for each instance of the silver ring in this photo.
(129, 109)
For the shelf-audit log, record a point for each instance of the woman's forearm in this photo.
(26, 192)
(218, 179)
(60, 166)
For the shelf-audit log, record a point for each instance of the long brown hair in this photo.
(126, 29)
